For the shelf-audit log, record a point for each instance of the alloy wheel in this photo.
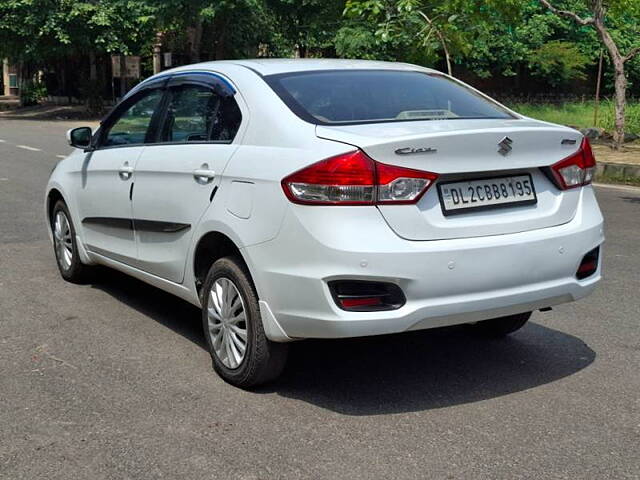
(227, 323)
(63, 240)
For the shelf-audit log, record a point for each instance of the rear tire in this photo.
(241, 353)
(501, 327)
(65, 245)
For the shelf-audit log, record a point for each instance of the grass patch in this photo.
(580, 114)
(618, 180)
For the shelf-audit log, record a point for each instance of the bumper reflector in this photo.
(589, 264)
(364, 296)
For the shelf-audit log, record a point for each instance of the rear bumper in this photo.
(446, 282)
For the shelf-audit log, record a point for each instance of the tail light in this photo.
(576, 170)
(356, 179)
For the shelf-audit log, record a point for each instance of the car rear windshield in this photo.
(339, 97)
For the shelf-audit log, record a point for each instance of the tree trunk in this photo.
(598, 9)
(220, 32)
(620, 82)
(621, 101)
(447, 56)
(194, 34)
(443, 42)
(157, 54)
(93, 70)
(301, 51)
(123, 75)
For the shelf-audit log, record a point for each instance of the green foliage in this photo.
(559, 62)
(308, 25)
(32, 93)
(229, 28)
(33, 30)
(500, 39)
(478, 34)
(488, 37)
(398, 29)
(580, 114)
(357, 41)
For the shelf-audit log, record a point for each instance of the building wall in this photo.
(10, 79)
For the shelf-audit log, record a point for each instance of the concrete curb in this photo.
(618, 170)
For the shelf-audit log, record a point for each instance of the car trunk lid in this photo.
(464, 150)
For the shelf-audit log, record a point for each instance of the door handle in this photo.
(125, 171)
(204, 174)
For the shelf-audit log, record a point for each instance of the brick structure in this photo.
(10, 79)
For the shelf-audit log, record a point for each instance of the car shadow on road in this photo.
(406, 372)
(429, 369)
(166, 309)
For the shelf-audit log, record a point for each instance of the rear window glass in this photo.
(369, 96)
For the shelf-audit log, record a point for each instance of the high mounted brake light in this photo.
(355, 179)
(576, 170)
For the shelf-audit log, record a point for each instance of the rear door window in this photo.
(196, 113)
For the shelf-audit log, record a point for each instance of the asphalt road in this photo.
(112, 380)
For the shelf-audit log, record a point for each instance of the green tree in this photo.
(414, 30)
(419, 30)
(206, 29)
(609, 21)
(52, 34)
(307, 27)
(36, 30)
(559, 62)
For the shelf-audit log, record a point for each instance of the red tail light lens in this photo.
(576, 170)
(345, 180)
(355, 179)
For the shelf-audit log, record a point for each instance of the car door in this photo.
(107, 176)
(177, 176)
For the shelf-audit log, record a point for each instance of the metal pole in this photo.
(597, 106)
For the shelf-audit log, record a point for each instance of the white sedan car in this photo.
(294, 199)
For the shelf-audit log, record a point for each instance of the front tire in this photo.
(241, 353)
(65, 245)
(501, 327)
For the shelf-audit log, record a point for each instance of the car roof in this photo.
(273, 66)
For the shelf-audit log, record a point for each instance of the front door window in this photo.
(133, 125)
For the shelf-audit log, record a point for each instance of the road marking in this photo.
(3, 179)
(61, 156)
(32, 149)
(3, 141)
(618, 187)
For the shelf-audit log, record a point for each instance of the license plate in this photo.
(486, 193)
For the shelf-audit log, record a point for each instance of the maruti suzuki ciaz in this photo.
(294, 199)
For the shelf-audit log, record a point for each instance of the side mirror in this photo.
(80, 137)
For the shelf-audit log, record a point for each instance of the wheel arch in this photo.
(53, 196)
(212, 246)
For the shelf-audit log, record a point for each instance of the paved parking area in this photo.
(112, 380)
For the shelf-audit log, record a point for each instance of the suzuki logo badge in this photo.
(505, 146)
